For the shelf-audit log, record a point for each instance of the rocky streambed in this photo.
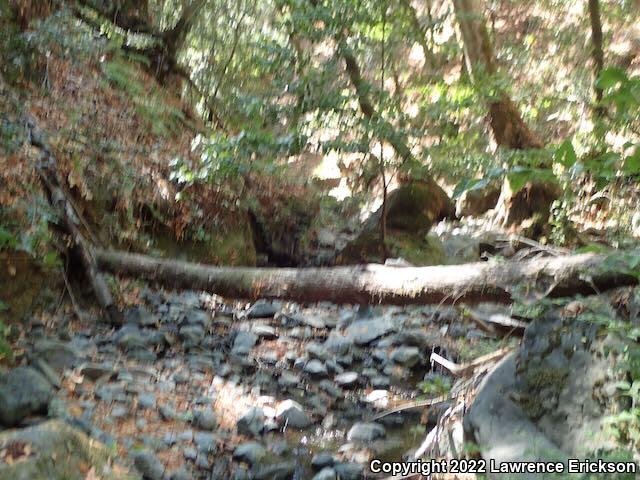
(194, 387)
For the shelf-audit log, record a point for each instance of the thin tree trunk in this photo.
(597, 52)
(475, 282)
(47, 171)
(509, 129)
(443, 203)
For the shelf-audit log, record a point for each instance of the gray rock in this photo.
(206, 442)
(366, 432)
(244, 342)
(349, 471)
(119, 412)
(180, 474)
(251, 423)
(414, 338)
(198, 317)
(264, 332)
(330, 388)
(338, 344)
(250, 452)
(316, 368)
(140, 316)
(58, 355)
(301, 333)
(49, 373)
(326, 473)
(55, 439)
(502, 430)
(148, 465)
(94, 371)
(23, 392)
(292, 415)
(363, 332)
(321, 460)
(190, 453)
(315, 350)
(262, 309)
(205, 419)
(277, 471)
(192, 334)
(346, 379)
(147, 400)
(406, 356)
(380, 381)
(289, 379)
(129, 338)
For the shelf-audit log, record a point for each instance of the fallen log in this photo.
(372, 283)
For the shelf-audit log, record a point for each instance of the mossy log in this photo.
(372, 283)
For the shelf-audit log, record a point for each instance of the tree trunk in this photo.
(475, 282)
(506, 123)
(597, 52)
(47, 172)
(361, 86)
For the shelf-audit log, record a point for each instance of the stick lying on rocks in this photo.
(475, 282)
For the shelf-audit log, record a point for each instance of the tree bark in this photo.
(475, 282)
(597, 52)
(507, 125)
(47, 171)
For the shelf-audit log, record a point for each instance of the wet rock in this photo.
(315, 368)
(406, 356)
(292, 415)
(250, 452)
(251, 423)
(23, 392)
(366, 432)
(262, 309)
(363, 332)
(148, 465)
(205, 419)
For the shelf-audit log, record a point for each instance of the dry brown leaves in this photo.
(15, 451)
